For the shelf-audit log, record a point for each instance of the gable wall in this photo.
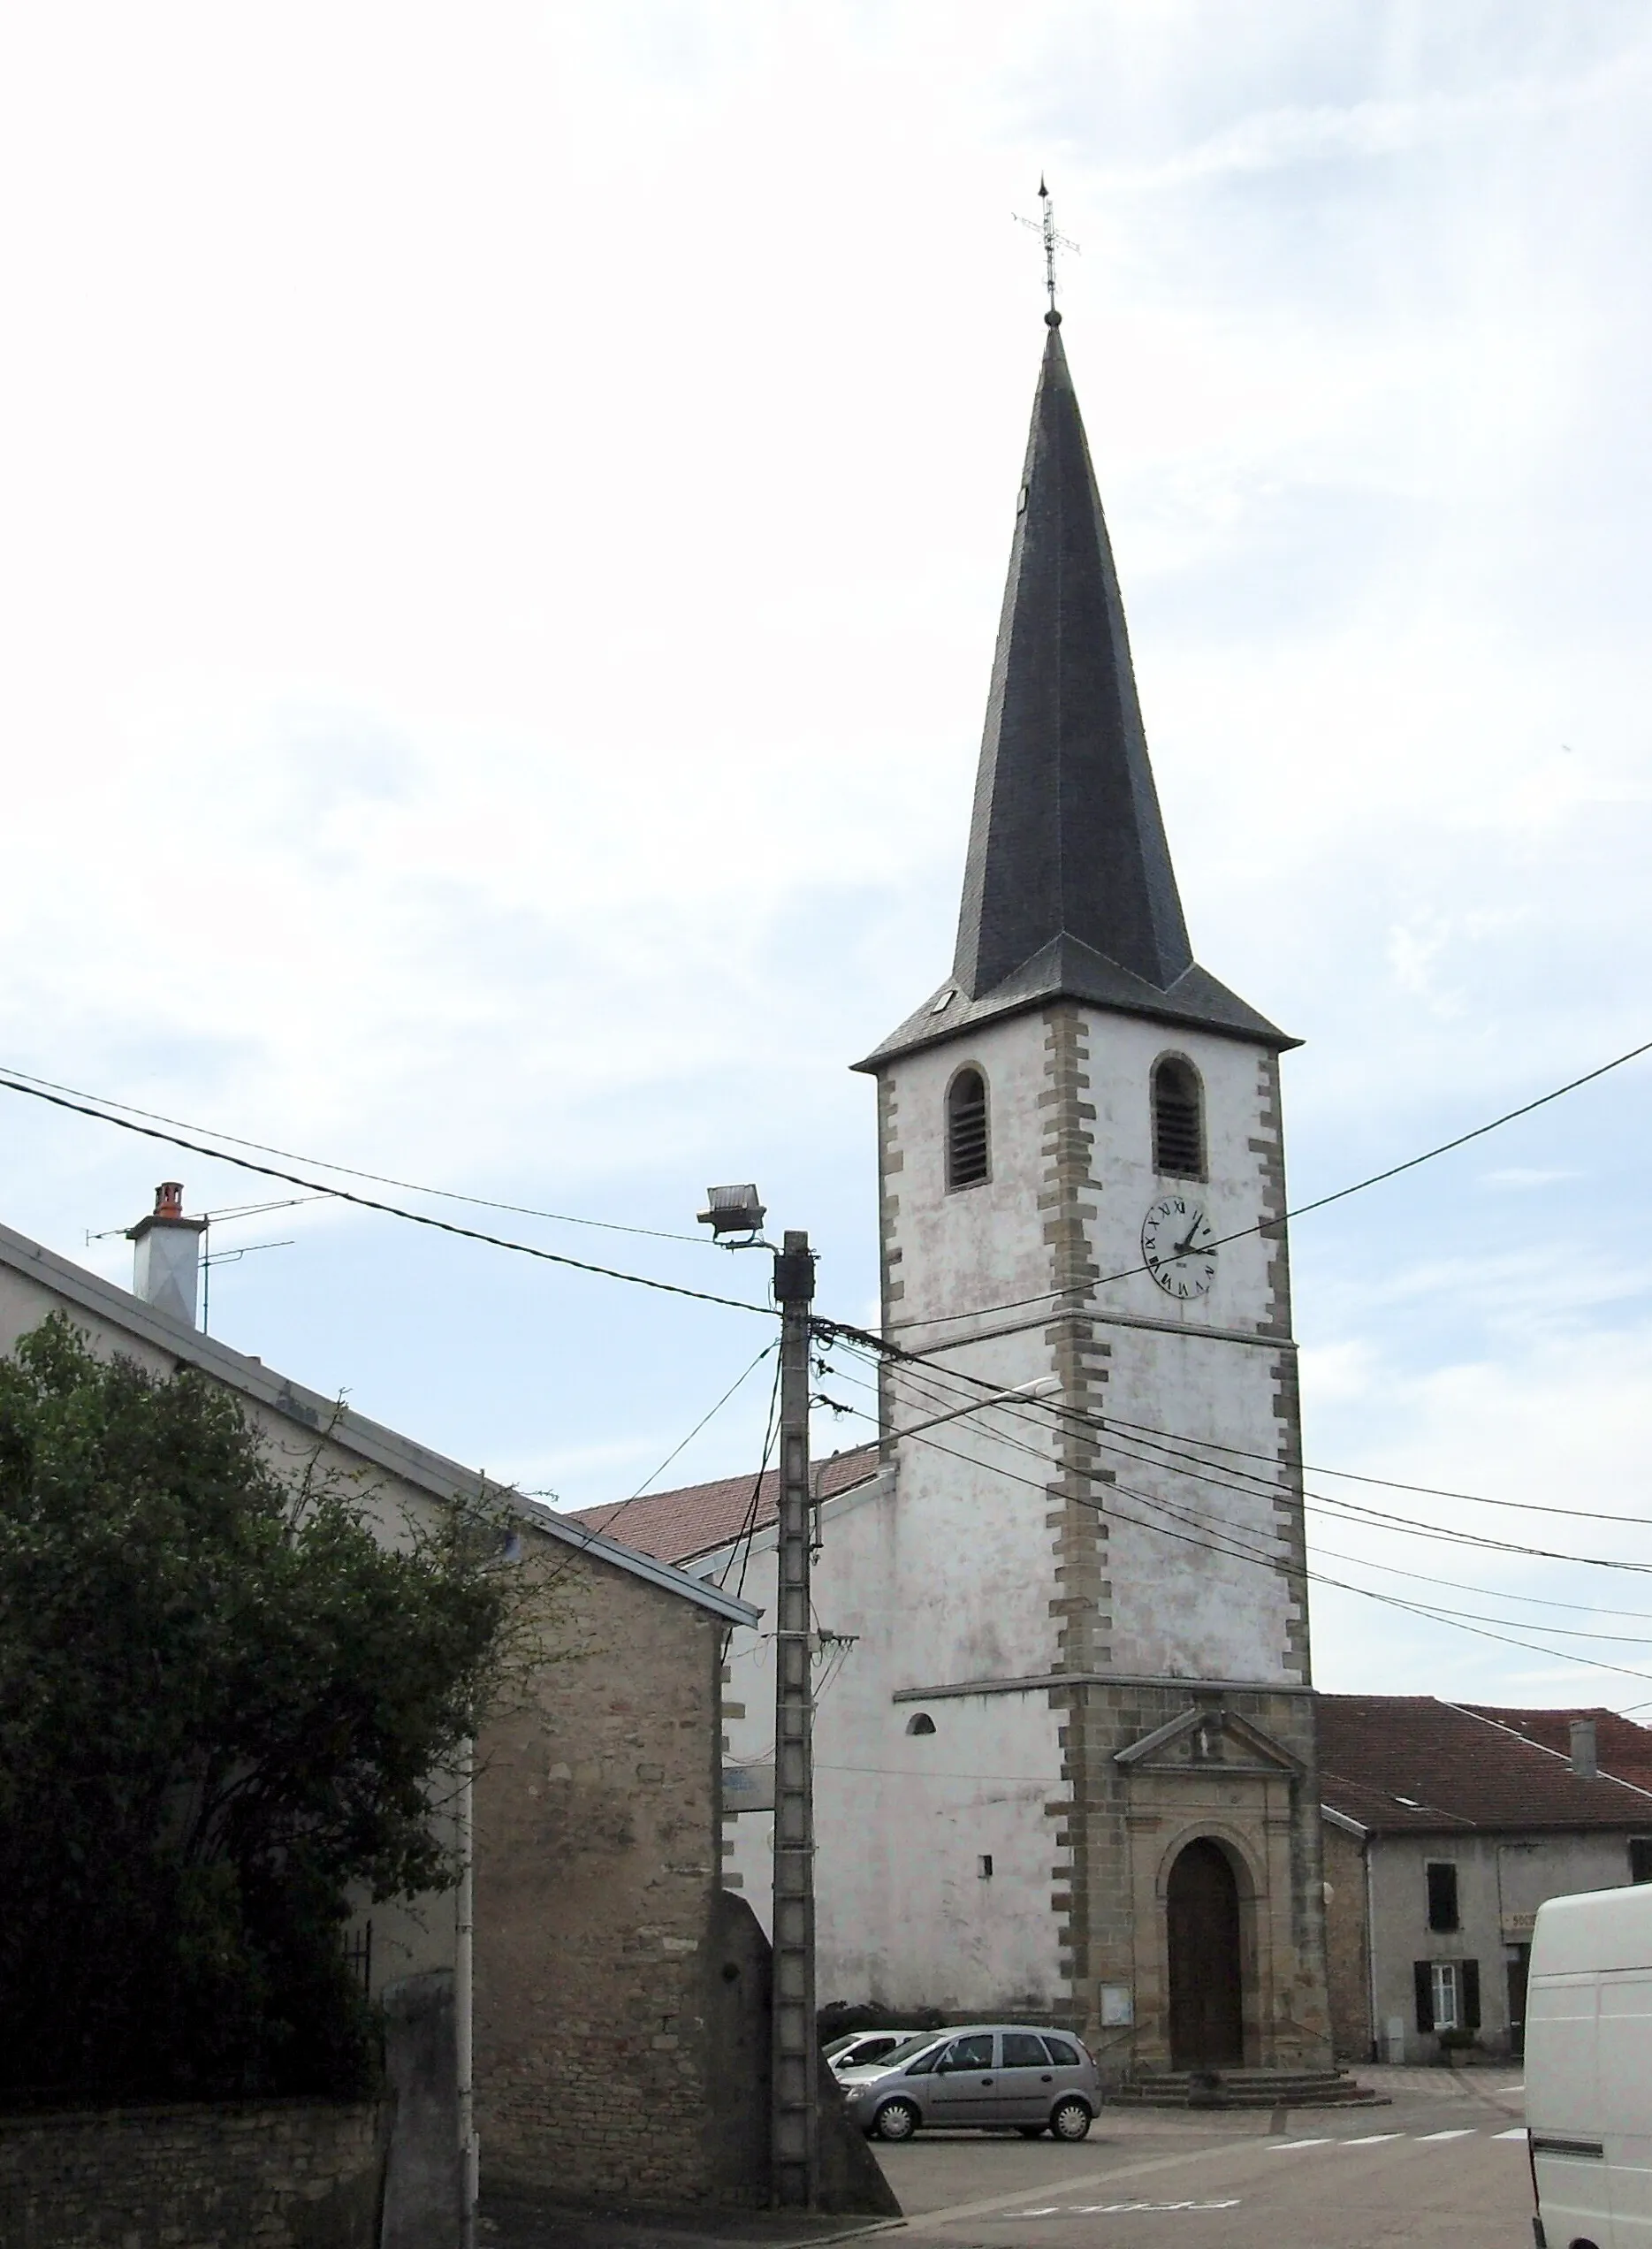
(1502, 1881)
(601, 1932)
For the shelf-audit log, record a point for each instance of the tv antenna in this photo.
(1044, 226)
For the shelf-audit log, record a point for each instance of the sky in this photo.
(504, 516)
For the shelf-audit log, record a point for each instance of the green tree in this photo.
(223, 1703)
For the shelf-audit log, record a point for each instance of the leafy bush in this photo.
(223, 1704)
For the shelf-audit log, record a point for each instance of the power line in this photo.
(1301, 1209)
(1291, 1570)
(391, 1210)
(26, 1081)
(1386, 1483)
(743, 1536)
(1361, 1561)
(1205, 1472)
(1072, 1420)
(1465, 1620)
(602, 1529)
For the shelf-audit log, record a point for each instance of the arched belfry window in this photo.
(967, 1151)
(1178, 1120)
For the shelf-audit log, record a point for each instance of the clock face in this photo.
(1178, 1246)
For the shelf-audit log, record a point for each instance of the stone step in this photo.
(1243, 2089)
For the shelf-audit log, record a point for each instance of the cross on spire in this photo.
(1044, 226)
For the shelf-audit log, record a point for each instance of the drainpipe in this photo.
(1371, 1970)
(464, 1975)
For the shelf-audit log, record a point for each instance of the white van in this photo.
(1588, 2070)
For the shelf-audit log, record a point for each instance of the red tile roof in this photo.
(1623, 1747)
(1393, 1762)
(677, 1525)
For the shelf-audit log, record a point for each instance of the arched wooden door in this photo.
(1206, 1998)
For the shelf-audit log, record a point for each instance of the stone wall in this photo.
(598, 1893)
(1347, 1939)
(281, 2175)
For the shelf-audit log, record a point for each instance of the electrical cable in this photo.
(1361, 1561)
(1314, 1502)
(394, 1210)
(1241, 1548)
(744, 1535)
(1069, 1419)
(1317, 1577)
(1387, 1483)
(1301, 1210)
(346, 1170)
(1279, 1567)
(602, 1529)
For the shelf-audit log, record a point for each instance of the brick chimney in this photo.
(166, 1263)
(1585, 1755)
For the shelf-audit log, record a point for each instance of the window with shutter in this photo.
(967, 1149)
(1441, 1877)
(1422, 1976)
(1178, 1120)
(1470, 1972)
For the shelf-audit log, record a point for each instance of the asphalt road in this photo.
(1444, 2164)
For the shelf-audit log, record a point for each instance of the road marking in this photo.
(1517, 2133)
(1115, 2210)
(1279, 2145)
(996, 2203)
(1462, 2132)
(1369, 2139)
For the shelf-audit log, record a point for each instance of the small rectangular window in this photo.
(984, 1866)
(1640, 1859)
(1442, 1895)
(1444, 1994)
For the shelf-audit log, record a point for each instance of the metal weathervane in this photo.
(1044, 226)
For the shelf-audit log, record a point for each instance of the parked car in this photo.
(862, 2048)
(991, 2073)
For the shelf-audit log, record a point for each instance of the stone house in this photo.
(1446, 1826)
(612, 1978)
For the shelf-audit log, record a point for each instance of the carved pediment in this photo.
(1209, 1739)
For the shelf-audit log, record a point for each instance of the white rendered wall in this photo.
(945, 1568)
(903, 1821)
(1202, 1370)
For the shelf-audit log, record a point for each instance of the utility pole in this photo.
(796, 2109)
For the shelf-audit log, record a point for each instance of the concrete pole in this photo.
(796, 2085)
(464, 2000)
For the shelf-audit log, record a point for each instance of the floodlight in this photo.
(733, 1210)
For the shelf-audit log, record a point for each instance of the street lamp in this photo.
(794, 2061)
(734, 1210)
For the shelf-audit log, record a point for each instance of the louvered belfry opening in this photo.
(1178, 1123)
(966, 1130)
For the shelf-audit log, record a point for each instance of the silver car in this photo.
(864, 2049)
(991, 2073)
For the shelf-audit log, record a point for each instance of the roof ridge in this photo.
(1514, 1733)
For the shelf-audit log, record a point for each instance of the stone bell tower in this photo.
(1100, 1588)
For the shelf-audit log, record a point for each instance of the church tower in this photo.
(1080, 1707)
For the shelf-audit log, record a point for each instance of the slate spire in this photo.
(1067, 839)
(1068, 891)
